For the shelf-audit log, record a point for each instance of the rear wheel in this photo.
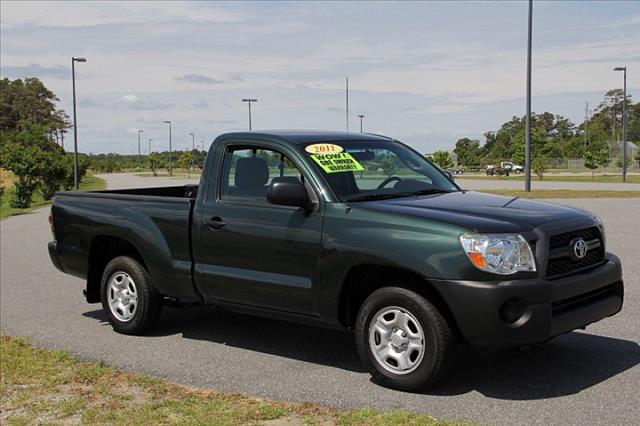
(402, 339)
(128, 297)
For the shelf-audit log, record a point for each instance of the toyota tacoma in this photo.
(352, 231)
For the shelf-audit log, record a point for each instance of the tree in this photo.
(468, 151)
(594, 159)
(389, 164)
(539, 166)
(185, 160)
(442, 159)
(153, 163)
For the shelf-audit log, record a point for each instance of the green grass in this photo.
(563, 193)
(552, 178)
(89, 183)
(52, 387)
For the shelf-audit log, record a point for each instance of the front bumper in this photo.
(53, 254)
(545, 308)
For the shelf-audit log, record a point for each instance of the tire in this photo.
(518, 171)
(129, 298)
(425, 366)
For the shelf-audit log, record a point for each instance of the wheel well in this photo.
(103, 249)
(363, 280)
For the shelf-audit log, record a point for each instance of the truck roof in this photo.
(307, 136)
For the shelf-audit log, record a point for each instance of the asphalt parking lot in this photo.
(585, 377)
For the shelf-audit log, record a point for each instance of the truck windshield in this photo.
(371, 170)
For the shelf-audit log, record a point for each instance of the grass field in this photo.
(53, 387)
(89, 183)
(563, 193)
(552, 178)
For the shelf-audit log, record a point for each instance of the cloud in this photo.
(36, 70)
(201, 104)
(128, 101)
(197, 78)
(130, 98)
(90, 103)
(57, 14)
(236, 77)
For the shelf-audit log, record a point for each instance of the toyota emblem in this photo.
(580, 248)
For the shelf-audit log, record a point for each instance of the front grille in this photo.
(576, 302)
(564, 239)
(562, 262)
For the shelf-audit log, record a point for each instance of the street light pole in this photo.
(361, 117)
(624, 123)
(193, 148)
(170, 152)
(76, 177)
(527, 150)
(249, 100)
(346, 104)
(139, 159)
(150, 140)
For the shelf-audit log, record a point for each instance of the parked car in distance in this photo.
(512, 168)
(350, 231)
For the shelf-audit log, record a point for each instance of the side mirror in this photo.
(287, 191)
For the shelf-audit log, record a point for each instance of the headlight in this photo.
(601, 226)
(502, 254)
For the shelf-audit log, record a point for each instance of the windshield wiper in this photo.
(372, 197)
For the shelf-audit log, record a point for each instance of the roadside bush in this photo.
(36, 162)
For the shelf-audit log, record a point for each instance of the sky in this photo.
(426, 73)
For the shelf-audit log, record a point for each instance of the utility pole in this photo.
(249, 100)
(193, 148)
(139, 158)
(527, 151)
(586, 118)
(170, 152)
(624, 123)
(76, 177)
(361, 116)
(150, 140)
(347, 105)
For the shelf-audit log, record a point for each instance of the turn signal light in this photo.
(51, 224)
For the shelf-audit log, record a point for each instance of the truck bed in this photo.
(156, 221)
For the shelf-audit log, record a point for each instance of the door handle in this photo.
(215, 223)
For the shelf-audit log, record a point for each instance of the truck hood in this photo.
(478, 211)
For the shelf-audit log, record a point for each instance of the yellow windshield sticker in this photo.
(335, 163)
(323, 148)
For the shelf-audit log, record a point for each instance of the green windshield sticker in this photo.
(338, 162)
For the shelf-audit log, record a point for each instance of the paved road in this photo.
(481, 184)
(589, 377)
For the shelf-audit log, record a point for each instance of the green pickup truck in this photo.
(351, 231)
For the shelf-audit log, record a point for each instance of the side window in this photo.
(248, 171)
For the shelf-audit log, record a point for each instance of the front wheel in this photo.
(129, 299)
(403, 339)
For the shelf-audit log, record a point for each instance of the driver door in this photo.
(252, 252)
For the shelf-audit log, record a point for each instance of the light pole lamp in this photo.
(150, 141)
(249, 100)
(624, 123)
(76, 177)
(170, 152)
(361, 116)
(139, 159)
